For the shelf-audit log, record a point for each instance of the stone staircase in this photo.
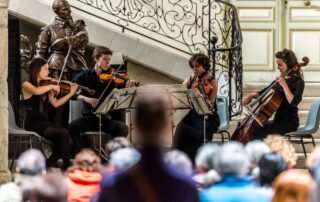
(310, 94)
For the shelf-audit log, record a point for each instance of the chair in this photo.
(75, 113)
(222, 110)
(304, 134)
(20, 136)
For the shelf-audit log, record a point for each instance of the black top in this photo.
(90, 79)
(37, 117)
(289, 111)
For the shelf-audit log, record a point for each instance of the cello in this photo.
(261, 109)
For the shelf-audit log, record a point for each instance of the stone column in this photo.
(5, 174)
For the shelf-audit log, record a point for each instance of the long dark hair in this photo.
(35, 67)
(289, 57)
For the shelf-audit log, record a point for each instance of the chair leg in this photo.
(312, 139)
(222, 137)
(303, 147)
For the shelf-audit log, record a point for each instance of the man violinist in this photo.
(89, 122)
(291, 88)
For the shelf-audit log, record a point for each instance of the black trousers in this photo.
(91, 123)
(275, 127)
(189, 135)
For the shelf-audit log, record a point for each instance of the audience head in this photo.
(49, 188)
(293, 185)
(313, 158)
(86, 160)
(279, 144)
(31, 162)
(124, 158)
(117, 143)
(255, 150)
(179, 160)
(205, 157)
(270, 166)
(151, 118)
(232, 160)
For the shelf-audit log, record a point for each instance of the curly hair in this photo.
(279, 144)
(201, 59)
(289, 57)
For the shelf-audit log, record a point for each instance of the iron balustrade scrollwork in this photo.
(186, 26)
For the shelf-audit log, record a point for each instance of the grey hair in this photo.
(206, 155)
(179, 160)
(232, 160)
(255, 150)
(31, 162)
(124, 158)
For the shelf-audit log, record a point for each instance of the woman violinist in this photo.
(291, 89)
(190, 131)
(35, 98)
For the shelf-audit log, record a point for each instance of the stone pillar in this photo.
(5, 174)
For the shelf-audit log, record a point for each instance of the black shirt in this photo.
(289, 111)
(90, 79)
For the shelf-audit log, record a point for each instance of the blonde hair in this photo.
(293, 185)
(279, 144)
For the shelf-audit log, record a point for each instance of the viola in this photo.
(64, 86)
(203, 84)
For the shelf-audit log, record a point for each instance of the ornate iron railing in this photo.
(187, 26)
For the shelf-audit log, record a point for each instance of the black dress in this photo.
(37, 120)
(286, 118)
(189, 135)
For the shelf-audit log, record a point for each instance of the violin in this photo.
(65, 86)
(117, 78)
(203, 84)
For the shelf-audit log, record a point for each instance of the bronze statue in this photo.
(58, 37)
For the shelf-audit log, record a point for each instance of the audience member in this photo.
(124, 158)
(279, 144)
(206, 173)
(313, 163)
(52, 187)
(150, 179)
(270, 166)
(180, 161)
(83, 178)
(293, 185)
(255, 149)
(30, 165)
(117, 143)
(232, 164)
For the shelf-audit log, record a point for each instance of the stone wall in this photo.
(4, 172)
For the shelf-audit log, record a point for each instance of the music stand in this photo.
(179, 97)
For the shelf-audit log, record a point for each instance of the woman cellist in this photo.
(290, 88)
(190, 131)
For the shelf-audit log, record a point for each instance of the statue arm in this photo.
(43, 43)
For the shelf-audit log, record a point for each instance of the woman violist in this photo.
(35, 99)
(291, 88)
(189, 134)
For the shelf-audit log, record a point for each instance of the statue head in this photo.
(62, 9)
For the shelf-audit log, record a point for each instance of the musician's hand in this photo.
(73, 88)
(56, 89)
(92, 101)
(247, 100)
(282, 82)
(130, 83)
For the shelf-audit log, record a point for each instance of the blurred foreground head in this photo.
(31, 162)
(151, 118)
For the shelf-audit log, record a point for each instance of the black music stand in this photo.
(178, 95)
